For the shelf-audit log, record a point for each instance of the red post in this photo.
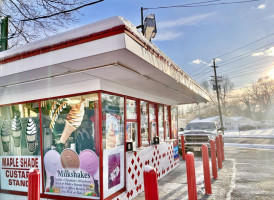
(219, 153)
(207, 179)
(222, 147)
(183, 147)
(150, 183)
(34, 185)
(191, 178)
(213, 159)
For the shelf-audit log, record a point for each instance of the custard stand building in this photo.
(73, 104)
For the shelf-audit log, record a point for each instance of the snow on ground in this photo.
(259, 133)
(251, 146)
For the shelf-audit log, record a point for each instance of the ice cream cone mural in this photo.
(110, 138)
(31, 135)
(16, 128)
(73, 121)
(5, 136)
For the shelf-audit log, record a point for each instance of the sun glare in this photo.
(271, 73)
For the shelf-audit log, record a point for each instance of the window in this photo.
(113, 143)
(144, 123)
(132, 125)
(70, 132)
(174, 122)
(161, 122)
(152, 122)
(20, 144)
(167, 122)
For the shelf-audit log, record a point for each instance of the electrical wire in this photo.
(232, 51)
(200, 4)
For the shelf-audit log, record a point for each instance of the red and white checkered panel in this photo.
(160, 157)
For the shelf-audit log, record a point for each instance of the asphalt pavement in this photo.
(247, 173)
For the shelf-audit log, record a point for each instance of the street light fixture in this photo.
(150, 29)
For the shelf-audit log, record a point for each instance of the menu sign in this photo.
(15, 171)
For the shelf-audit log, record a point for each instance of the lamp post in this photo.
(4, 33)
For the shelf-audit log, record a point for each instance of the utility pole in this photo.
(218, 95)
(4, 33)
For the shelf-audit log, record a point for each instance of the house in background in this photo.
(230, 123)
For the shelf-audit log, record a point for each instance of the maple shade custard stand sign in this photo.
(20, 145)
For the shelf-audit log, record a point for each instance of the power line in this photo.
(201, 4)
(232, 51)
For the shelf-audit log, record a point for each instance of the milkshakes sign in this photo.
(15, 171)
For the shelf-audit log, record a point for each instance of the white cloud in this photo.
(198, 61)
(165, 36)
(261, 7)
(193, 20)
(268, 52)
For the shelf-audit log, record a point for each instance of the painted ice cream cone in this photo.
(73, 121)
(111, 137)
(16, 128)
(5, 136)
(31, 135)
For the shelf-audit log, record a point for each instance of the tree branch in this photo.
(62, 12)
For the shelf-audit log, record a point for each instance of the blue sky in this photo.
(191, 37)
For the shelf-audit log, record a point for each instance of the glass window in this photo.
(131, 109)
(167, 123)
(20, 144)
(132, 125)
(161, 122)
(174, 122)
(113, 143)
(71, 146)
(152, 122)
(144, 123)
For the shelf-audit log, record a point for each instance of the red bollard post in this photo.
(183, 147)
(219, 153)
(222, 147)
(213, 159)
(150, 183)
(191, 178)
(207, 179)
(34, 185)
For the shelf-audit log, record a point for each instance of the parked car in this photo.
(246, 127)
(198, 133)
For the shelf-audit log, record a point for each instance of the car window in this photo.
(201, 126)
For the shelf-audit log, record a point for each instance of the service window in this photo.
(161, 123)
(131, 122)
(152, 122)
(71, 146)
(167, 134)
(113, 143)
(20, 145)
(144, 123)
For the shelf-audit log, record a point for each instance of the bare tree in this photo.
(258, 97)
(32, 19)
(226, 87)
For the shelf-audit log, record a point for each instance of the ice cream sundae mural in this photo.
(73, 120)
(5, 136)
(113, 131)
(72, 174)
(69, 172)
(16, 128)
(31, 135)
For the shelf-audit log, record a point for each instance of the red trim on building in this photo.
(41, 147)
(75, 41)
(101, 145)
(169, 116)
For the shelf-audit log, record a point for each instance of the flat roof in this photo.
(109, 50)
